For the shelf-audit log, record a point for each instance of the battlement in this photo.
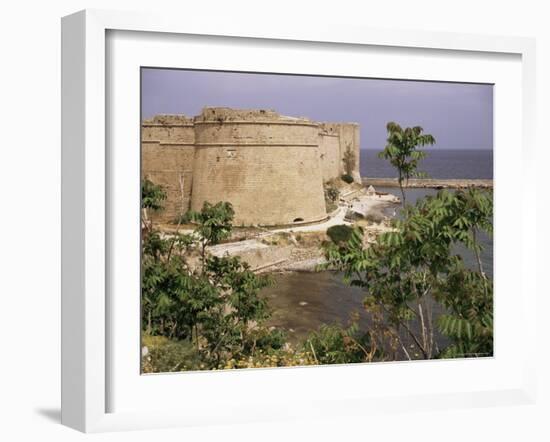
(248, 116)
(168, 120)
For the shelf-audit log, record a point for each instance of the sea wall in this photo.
(432, 183)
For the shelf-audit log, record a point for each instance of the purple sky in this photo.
(460, 116)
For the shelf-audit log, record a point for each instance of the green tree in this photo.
(213, 224)
(402, 151)
(152, 198)
(189, 295)
(410, 270)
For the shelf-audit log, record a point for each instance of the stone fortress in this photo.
(270, 167)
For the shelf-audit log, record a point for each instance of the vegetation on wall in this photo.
(349, 160)
(332, 195)
(347, 178)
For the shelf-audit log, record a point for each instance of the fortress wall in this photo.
(173, 134)
(170, 166)
(329, 148)
(267, 185)
(169, 128)
(168, 148)
(268, 168)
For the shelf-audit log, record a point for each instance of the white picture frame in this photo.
(86, 210)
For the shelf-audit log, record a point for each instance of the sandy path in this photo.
(363, 205)
(338, 218)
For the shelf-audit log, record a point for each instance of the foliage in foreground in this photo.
(204, 302)
(205, 312)
(412, 270)
(334, 344)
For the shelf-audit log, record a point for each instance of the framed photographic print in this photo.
(249, 214)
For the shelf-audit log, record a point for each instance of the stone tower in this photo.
(270, 167)
(266, 165)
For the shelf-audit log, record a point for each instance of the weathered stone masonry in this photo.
(270, 167)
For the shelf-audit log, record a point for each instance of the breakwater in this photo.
(431, 183)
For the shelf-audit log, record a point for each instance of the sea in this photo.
(302, 302)
(438, 163)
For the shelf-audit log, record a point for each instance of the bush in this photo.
(347, 178)
(333, 344)
(267, 339)
(340, 233)
(164, 355)
(152, 195)
(206, 310)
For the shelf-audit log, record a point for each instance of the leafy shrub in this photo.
(347, 178)
(339, 233)
(152, 195)
(211, 306)
(333, 344)
(266, 339)
(164, 355)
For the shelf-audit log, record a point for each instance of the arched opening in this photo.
(298, 220)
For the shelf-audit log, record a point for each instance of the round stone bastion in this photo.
(266, 165)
